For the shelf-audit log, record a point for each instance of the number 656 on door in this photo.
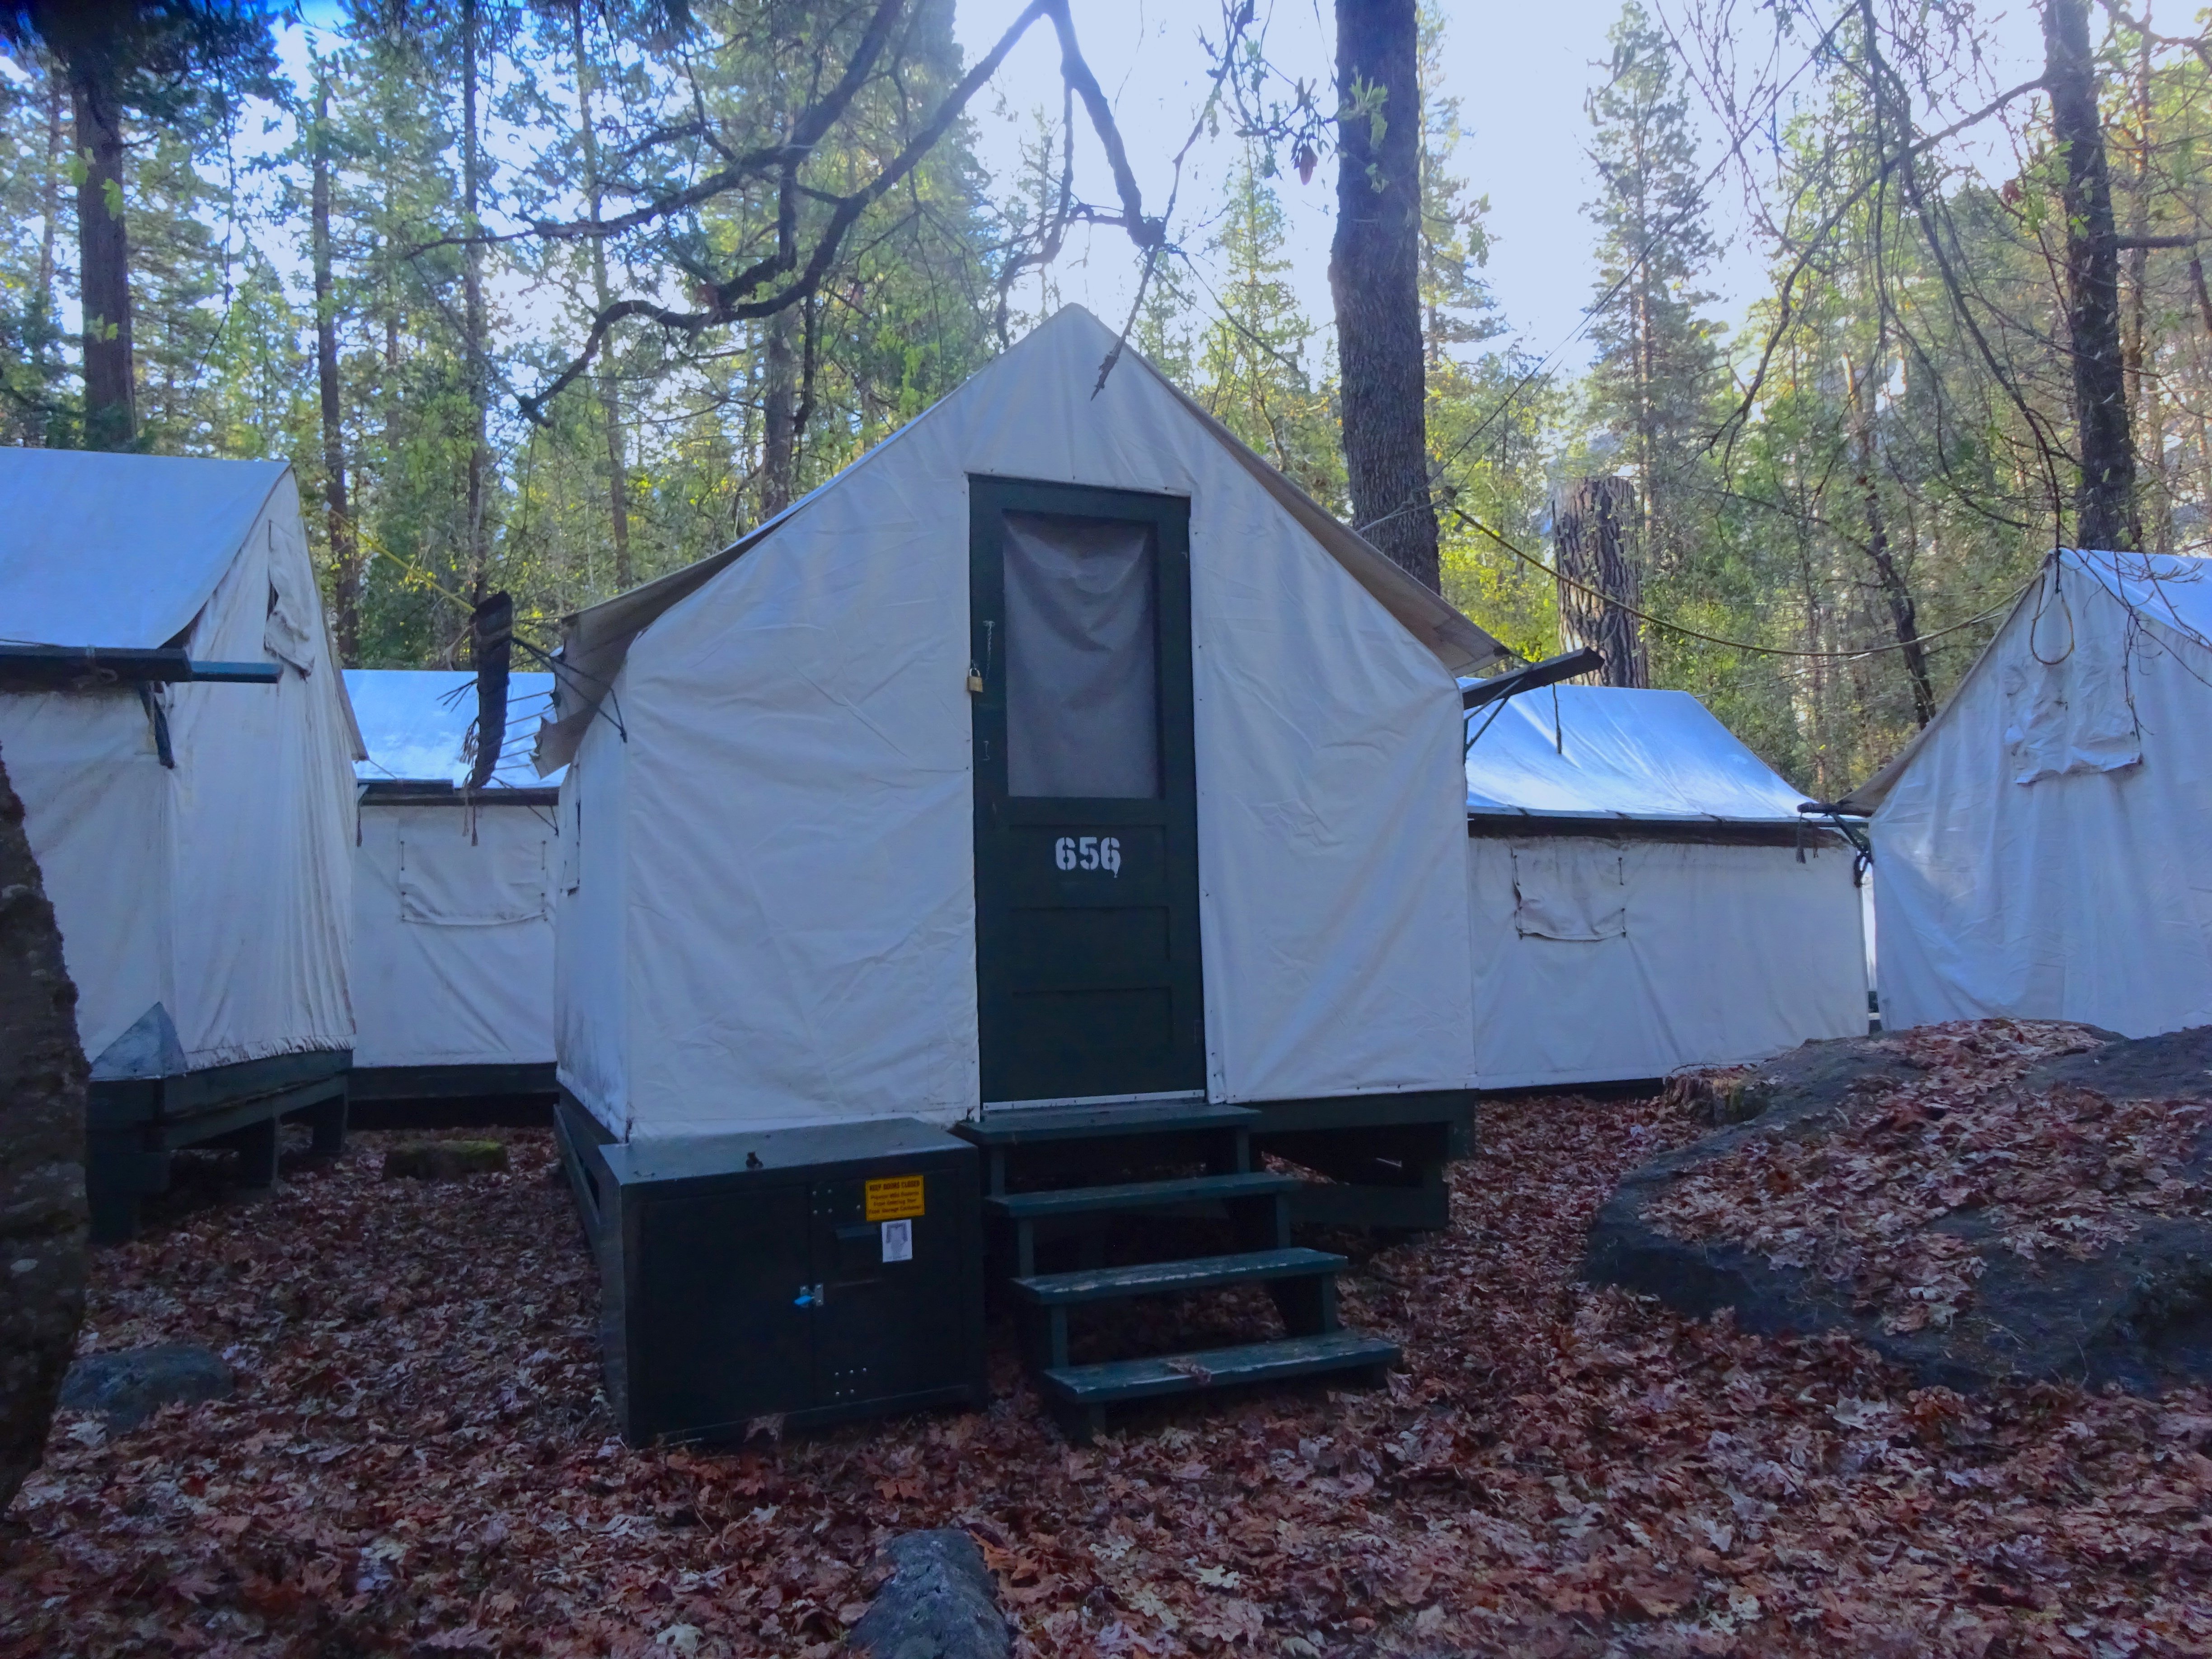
(1089, 853)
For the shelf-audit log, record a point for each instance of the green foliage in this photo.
(1253, 359)
(1854, 456)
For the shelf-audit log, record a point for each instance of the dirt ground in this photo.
(418, 1461)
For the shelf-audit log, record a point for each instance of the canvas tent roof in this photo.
(164, 529)
(1618, 753)
(595, 640)
(414, 722)
(2169, 591)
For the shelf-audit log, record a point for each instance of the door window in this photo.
(1082, 658)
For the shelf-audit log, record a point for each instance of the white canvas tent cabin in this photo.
(2039, 847)
(1644, 895)
(1058, 772)
(452, 941)
(173, 719)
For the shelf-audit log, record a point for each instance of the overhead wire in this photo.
(1530, 559)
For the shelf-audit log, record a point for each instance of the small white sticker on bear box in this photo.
(898, 1241)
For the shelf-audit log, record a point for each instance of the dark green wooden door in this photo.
(1086, 794)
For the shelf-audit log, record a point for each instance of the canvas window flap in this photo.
(446, 882)
(1563, 890)
(2067, 706)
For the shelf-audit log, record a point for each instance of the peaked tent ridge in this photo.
(596, 640)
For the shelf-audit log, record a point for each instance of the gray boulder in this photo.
(128, 1386)
(938, 1603)
(2138, 1314)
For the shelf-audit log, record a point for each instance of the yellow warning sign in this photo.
(894, 1198)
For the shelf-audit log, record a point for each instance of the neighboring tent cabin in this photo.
(1644, 894)
(172, 718)
(2039, 847)
(453, 939)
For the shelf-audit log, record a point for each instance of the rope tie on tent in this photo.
(2053, 578)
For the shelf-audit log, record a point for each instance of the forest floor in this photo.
(417, 1460)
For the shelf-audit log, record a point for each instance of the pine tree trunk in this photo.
(1590, 552)
(345, 559)
(2154, 512)
(1903, 614)
(609, 391)
(1375, 276)
(2105, 505)
(50, 213)
(42, 1206)
(779, 403)
(473, 318)
(111, 398)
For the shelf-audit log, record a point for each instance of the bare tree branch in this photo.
(723, 302)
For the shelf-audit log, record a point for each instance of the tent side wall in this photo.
(1330, 807)
(100, 809)
(2082, 895)
(798, 826)
(591, 928)
(798, 807)
(264, 821)
(1677, 953)
(452, 958)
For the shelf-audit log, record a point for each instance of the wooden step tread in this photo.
(1023, 1126)
(1197, 1272)
(1258, 1362)
(1138, 1195)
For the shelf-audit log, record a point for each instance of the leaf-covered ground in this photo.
(416, 1461)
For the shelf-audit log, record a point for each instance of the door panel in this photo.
(883, 1326)
(1086, 833)
(723, 1306)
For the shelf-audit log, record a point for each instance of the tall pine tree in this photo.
(1657, 368)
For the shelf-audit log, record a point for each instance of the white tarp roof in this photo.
(414, 721)
(118, 549)
(1616, 753)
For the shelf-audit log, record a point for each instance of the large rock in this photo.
(42, 1206)
(2139, 1313)
(939, 1602)
(445, 1160)
(127, 1385)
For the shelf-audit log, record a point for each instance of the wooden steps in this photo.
(1129, 1197)
(1069, 1142)
(1028, 1125)
(1085, 1391)
(1198, 1272)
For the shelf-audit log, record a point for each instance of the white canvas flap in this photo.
(294, 629)
(2066, 703)
(445, 881)
(1563, 890)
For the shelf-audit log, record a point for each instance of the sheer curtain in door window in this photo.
(1082, 658)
